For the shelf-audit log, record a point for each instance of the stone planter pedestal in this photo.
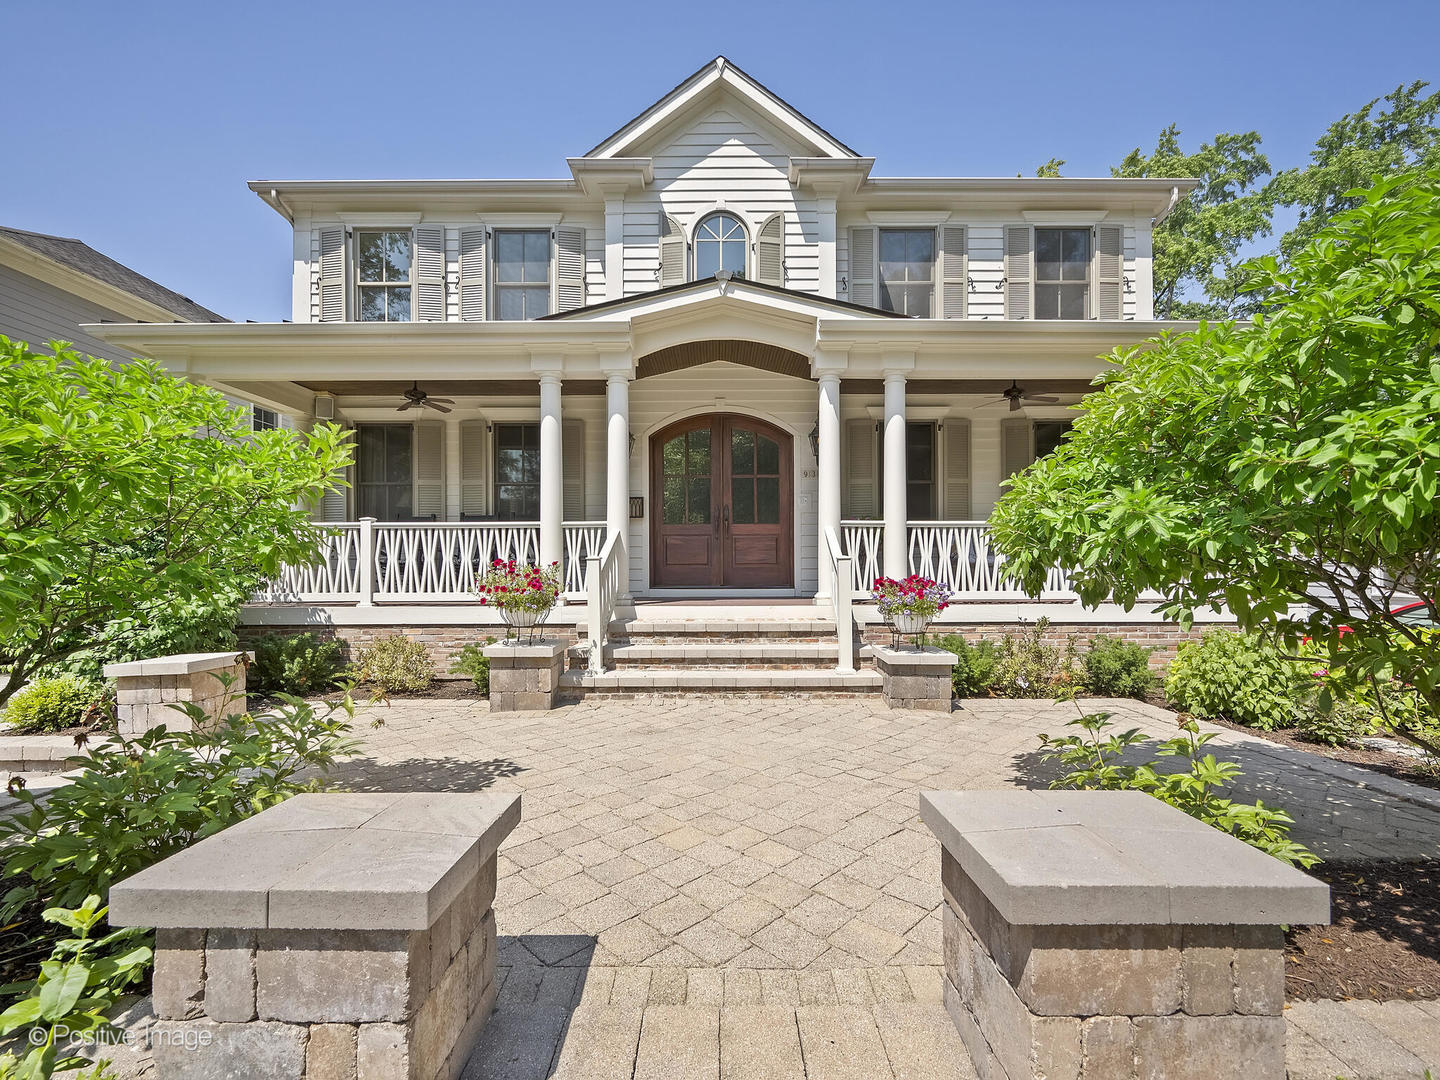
(915, 678)
(1093, 935)
(525, 677)
(146, 690)
(334, 935)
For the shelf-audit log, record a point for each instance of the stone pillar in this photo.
(334, 935)
(617, 456)
(552, 478)
(1098, 934)
(147, 692)
(827, 467)
(525, 677)
(896, 543)
(915, 677)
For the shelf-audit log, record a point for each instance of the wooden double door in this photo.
(722, 505)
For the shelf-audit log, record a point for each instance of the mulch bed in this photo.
(1382, 945)
(1397, 765)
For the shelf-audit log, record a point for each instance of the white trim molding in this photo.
(1064, 217)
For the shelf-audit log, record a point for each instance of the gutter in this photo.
(1169, 208)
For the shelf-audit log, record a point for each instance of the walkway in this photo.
(743, 888)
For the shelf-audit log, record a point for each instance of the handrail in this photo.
(604, 582)
(842, 584)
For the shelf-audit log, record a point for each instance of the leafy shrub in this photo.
(1095, 761)
(472, 661)
(396, 664)
(1025, 666)
(58, 703)
(76, 987)
(134, 801)
(1118, 668)
(295, 664)
(974, 670)
(1242, 678)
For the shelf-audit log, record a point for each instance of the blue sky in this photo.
(137, 124)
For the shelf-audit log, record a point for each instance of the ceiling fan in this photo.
(416, 397)
(1015, 394)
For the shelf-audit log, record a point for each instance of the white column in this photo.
(617, 456)
(828, 469)
(825, 222)
(897, 555)
(552, 480)
(614, 246)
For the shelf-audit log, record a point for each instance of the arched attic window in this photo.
(721, 243)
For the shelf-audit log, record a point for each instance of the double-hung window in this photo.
(382, 274)
(907, 271)
(522, 273)
(517, 472)
(384, 487)
(263, 419)
(1062, 273)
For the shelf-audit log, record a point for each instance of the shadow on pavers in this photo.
(422, 774)
(542, 977)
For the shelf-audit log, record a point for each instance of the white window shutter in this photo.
(569, 268)
(1017, 447)
(429, 474)
(1018, 275)
(1109, 271)
(472, 274)
(332, 275)
(672, 252)
(862, 265)
(770, 251)
(429, 273)
(474, 481)
(953, 283)
(957, 469)
(862, 484)
(572, 453)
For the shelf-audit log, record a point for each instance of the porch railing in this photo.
(842, 578)
(954, 553)
(605, 577)
(368, 562)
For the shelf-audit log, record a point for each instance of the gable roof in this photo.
(80, 257)
(723, 278)
(695, 89)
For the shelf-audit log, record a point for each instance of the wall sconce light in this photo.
(637, 506)
(815, 439)
(632, 443)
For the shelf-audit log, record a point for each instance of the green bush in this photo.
(134, 801)
(396, 664)
(1025, 666)
(1095, 760)
(1118, 668)
(297, 664)
(472, 661)
(1242, 678)
(58, 703)
(974, 670)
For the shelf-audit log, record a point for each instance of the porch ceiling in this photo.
(485, 388)
(751, 354)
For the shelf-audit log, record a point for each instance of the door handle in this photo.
(725, 516)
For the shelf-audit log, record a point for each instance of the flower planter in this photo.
(910, 623)
(522, 594)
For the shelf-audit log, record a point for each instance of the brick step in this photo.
(647, 680)
(783, 655)
(729, 631)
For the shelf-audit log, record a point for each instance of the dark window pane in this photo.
(920, 502)
(917, 301)
(372, 501)
(1076, 254)
(537, 256)
(1072, 301)
(1048, 434)
(673, 512)
(511, 304)
(509, 256)
(673, 456)
(887, 300)
(1048, 247)
(920, 452)
(892, 251)
(400, 507)
(742, 500)
(399, 309)
(397, 455)
(372, 452)
(700, 451)
(372, 305)
(397, 256)
(919, 254)
(537, 302)
(1047, 301)
(742, 453)
(767, 500)
(768, 455)
(699, 511)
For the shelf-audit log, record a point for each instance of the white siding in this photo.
(37, 312)
(1129, 288)
(987, 267)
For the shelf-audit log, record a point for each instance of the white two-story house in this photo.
(719, 359)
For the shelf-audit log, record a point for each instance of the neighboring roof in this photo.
(82, 258)
(706, 282)
(716, 71)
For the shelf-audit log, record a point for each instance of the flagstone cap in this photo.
(330, 861)
(1113, 858)
(178, 664)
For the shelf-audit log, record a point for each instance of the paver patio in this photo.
(743, 888)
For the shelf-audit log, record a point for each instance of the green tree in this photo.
(1287, 460)
(1197, 246)
(125, 494)
(1051, 168)
(1357, 149)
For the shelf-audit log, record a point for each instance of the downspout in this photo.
(1174, 201)
(279, 204)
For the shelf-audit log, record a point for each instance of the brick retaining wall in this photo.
(443, 642)
(1165, 638)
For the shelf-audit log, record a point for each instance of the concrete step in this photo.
(729, 630)
(690, 680)
(781, 655)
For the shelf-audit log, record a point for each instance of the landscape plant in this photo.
(71, 997)
(471, 661)
(1096, 759)
(396, 664)
(295, 664)
(1239, 677)
(56, 703)
(1284, 469)
(129, 496)
(1115, 667)
(974, 672)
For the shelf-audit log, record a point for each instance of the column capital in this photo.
(825, 362)
(547, 365)
(897, 364)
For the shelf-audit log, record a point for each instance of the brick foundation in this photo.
(1164, 638)
(442, 642)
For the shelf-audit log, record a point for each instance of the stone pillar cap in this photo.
(927, 655)
(1114, 858)
(179, 664)
(540, 650)
(333, 861)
